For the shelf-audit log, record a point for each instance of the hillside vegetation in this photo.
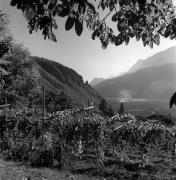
(64, 87)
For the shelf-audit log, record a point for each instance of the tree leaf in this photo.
(168, 32)
(3, 49)
(119, 39)
(115, 17)
(61, 10)
(127, 39)
(54, 23)
(104, 45)
(156, 39)
(52, 4)
(173, 100)
(151, 44)
(122, 25)
(52, 37)
(78, 27)
(3, 71)
(36, 27)
(173, 36)
(13, 2)
(112, 39)
(82, 7)
(19, 5)
(90, 6)
(94, 34)
(45, 2)
(138, 37)
(3, 62)
(131, 33)
(42, 23)
(69, 23)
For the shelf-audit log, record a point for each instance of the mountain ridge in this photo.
(158, 59)
(153, 82)
(95, 81)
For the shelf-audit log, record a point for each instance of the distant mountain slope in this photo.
(155, 82)
(161, 58)
(58, 78)
(96, 81)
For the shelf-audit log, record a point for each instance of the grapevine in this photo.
(81, 132)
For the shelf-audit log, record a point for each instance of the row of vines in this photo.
(65, 137)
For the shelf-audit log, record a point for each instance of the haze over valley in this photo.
(151, 80)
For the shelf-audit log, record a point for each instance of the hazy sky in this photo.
(80, 53)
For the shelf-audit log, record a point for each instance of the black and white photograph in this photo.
(87, 89)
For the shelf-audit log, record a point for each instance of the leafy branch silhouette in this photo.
(146, 20)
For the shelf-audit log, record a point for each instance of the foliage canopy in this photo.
(5, 46)
(143, 19)
(5, 37)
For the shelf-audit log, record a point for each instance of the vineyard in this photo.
(83, 141)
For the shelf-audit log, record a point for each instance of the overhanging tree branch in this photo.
(132, 18)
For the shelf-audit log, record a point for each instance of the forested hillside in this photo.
(66, 80)
(64, 87)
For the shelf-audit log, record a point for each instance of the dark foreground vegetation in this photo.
(84, 142)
